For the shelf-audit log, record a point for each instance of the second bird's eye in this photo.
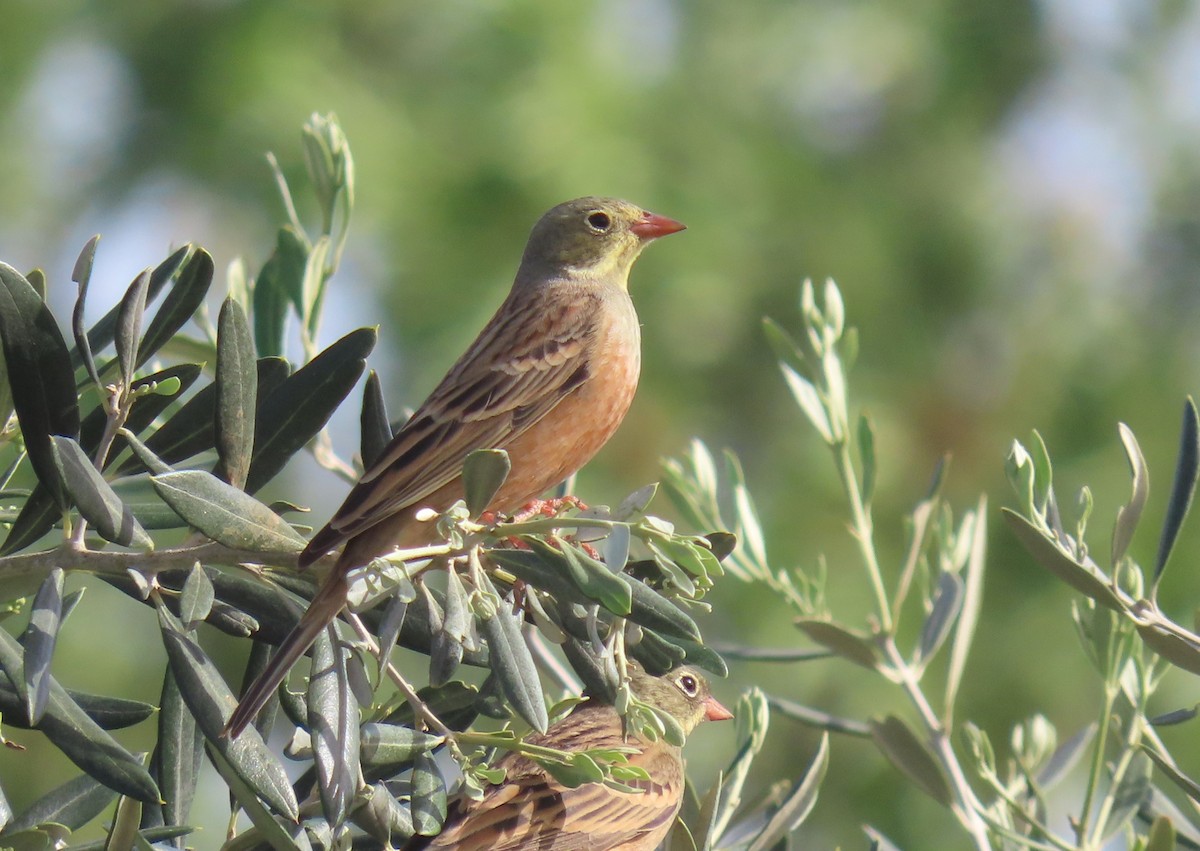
(599, 221)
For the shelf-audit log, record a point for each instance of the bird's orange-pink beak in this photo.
(714, 711)
(652, 226)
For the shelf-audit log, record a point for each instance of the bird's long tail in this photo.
(330, 599)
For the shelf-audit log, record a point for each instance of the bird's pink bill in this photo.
(714, 711)
(652, 226)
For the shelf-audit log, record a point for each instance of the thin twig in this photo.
(419, 706)
(966, 806)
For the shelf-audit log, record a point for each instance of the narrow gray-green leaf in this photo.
(382, 816)
(80, 738)
(1131, 794)
(110, 713)
(912, 756)
(300, 406)
(651, 609)
(694, 652)
(393, 621)
(390, 744)
(1161, 836)
(1179, 651)
(810, 402)
(211, 703)
(149, 838)
(768, 654)
(842, 641)
(964, 631)
(818, 719)
(656, 656)
(752, 718)
(1183, 488)
(1050, 556)
(1161, 806)
(428, 796)
(95, 499)
(333, 722)
(866, 454)
(73, 804)
(798, 803)
(82, 275)
(1131, 513)
(129, 325)
(224, 513)
(123, 833)
(38, 641)
(785, 349)
(272, 290)
(237, 392)
(534, 570)
(316, 273)
(1168, 767)
(697, 815)
(373, 421)
(276, 835)
(513, 664)
(146, 457)
(455, 703)
(447, 650)
(1043, 471)
(592, 577)
(196, 598)
(636, 502)
(6, 812)
(37, 280)
(947, 603)
(1178, 716)
(179, 752)
(39, 373)
(184, 299)
(70, 601)
(6, 397)
(484, 471)
(1065, 757)
(102, 332)
(616, 547)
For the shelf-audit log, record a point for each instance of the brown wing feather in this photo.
(543, 814)
(519, 368)
(532, 810)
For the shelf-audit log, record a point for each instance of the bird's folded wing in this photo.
(540, 813)
(523, 364)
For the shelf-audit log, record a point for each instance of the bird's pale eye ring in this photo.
(688, 684)
(599, 221)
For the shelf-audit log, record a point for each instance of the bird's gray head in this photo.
(683, 692)
(596, 238)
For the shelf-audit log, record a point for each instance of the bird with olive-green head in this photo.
(532, 810)
(548, 379)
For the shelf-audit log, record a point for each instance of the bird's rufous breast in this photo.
(575, 430)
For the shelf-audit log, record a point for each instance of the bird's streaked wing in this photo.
(492, 395)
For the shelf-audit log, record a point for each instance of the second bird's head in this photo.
(595, 237)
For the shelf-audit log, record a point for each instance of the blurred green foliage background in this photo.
(1007, 193)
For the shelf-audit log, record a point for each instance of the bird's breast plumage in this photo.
(566, 438)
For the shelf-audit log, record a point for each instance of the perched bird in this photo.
(530, 809)
(548, 379)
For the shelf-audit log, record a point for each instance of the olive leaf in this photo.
(237, 392)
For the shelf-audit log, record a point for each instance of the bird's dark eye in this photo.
(599, 221)
(689, 685)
